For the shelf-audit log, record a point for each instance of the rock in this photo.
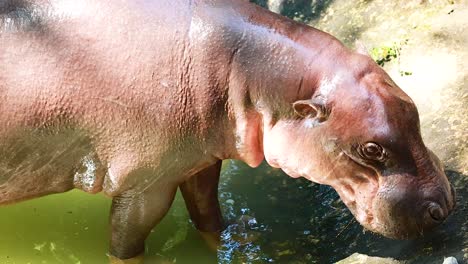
(357, 258)
(276, 5)
(450, 260)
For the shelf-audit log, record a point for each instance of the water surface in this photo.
(271, 219)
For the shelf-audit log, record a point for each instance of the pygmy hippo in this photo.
(137, 98)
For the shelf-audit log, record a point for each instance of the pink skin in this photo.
(391, 197)
(139, 98)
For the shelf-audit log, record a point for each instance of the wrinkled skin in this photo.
(138, 98)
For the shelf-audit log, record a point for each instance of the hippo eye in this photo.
(372, 151)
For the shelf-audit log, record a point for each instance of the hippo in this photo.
(137, 99)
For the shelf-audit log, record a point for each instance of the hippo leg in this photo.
(200, 193)
(133, 215)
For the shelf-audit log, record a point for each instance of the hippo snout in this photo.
(405, 209)
(439, 209)
(437, 212)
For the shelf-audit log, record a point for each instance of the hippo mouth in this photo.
(359, 191)
(397, 206)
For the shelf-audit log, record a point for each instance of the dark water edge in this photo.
(301, 10)
(295, 221)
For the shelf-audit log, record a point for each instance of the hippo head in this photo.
(359, 133)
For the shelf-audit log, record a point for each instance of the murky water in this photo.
(271, 217)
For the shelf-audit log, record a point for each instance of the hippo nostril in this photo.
(436, 212)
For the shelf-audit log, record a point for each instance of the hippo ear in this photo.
(310, 108)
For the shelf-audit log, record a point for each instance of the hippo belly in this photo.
(40, 161)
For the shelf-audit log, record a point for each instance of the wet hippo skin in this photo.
(138, 98)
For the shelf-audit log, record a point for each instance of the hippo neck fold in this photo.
(273, 62)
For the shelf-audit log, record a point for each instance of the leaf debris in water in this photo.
(39, 247)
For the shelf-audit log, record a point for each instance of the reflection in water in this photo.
(270, 217)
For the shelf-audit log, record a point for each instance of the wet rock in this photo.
(357, 258)
(246, 237)
(276, 5)
(450, 260)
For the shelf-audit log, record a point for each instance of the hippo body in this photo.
(139, 98)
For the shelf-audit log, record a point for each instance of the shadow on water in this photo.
(301, 10)
(275, 218)
(310, 12)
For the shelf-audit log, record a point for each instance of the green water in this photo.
(271, 217)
